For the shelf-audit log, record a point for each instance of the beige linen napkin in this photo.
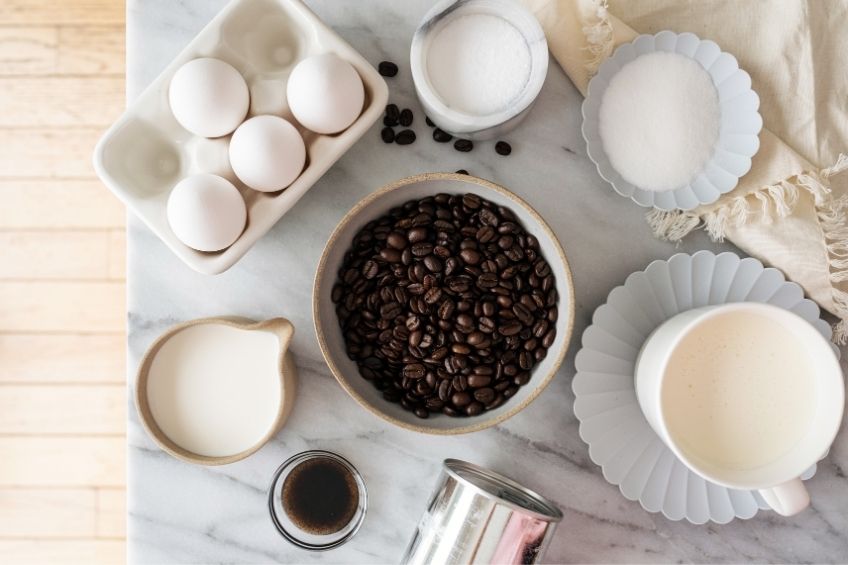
(786, 211)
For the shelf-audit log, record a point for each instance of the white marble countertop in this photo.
(184, 513)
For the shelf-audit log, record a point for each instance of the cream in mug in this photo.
(740, 391)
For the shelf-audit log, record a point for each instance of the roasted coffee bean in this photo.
(463, 145)
(484, 395)
(522, 314)
(405, 137)
(422, 249)
(473, 409)
(433, 264)
(446, 304)
(477, 381)
(470, 256)
(509, 328)
(441, 136)
(549, 338)
(461, 172)
(460, 399)
(387, 134)
(396, 240)
(415, 235)
(429, 122)
(390, 121)
(503, 148)
(405, 117)
(387, 68)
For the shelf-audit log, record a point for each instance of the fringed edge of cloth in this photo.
(778, 201)
(599, 37)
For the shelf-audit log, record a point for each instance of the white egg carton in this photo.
(146, 152)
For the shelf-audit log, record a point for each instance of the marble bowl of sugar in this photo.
(478, 65)
(671, 121)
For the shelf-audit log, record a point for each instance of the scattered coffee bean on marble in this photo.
(503, 148)
(462, 172)
(405, 117)
(429, 122)
(463, 145)
(405, 137)
(388, 134)
(446, 304)
(387, 68)
(441, 136)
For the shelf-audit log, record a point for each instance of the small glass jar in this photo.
(288, 527)
(487, 125)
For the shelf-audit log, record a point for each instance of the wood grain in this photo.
(45, 152)
(48, 513)
(111, 513)
(84, 204)
(83, 50)
(63, 398)
(61, 12)
(62, 462)
(88, 307)
(82, 410)
(69, 552)
(91, 50)
(62, 359)
(39, 255)
(60, 101)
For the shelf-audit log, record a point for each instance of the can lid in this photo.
(503, 489)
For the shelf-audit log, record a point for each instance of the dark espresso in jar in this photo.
(320, 496)
(446, 304)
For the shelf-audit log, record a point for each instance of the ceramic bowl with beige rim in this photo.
(213, 391)
(330, 336)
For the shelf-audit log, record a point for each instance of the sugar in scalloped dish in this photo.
(659, 121)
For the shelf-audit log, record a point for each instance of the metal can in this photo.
(478, 516)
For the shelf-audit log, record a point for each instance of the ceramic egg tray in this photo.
(146, 152)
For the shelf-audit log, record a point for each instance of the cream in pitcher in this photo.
(747, 395)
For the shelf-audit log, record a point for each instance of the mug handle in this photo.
(787, 498)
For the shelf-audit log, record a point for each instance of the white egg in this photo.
(267, 153)
(208, 97)
(325, 93)
(206, 212)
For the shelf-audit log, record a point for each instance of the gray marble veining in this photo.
(188, 514)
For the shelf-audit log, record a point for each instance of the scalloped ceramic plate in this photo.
(620, 440)
(738, 139)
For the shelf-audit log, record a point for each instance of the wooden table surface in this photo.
(62, 305)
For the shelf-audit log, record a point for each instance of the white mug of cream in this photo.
(747, 395)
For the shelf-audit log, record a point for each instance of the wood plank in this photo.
(60, 101)
(63, 410)
(72, 204)
(92, 50)
(63, 358)
(62, 462)
(44, 152)
(28, 50)
(87, 307)
(83, 50)
(48, 513)
(60, 255)
(88, 552)
(111, 513)
(117, 255)
(58, 12)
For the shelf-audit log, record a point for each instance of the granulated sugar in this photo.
(478, 63)
(659, 120)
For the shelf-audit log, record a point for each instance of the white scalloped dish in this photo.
(619, 438)
(738, 136)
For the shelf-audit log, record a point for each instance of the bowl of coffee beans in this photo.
(443, 303)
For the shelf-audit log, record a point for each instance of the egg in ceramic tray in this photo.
(262, 103)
